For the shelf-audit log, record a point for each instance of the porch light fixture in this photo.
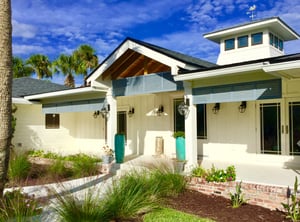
(160, 110)
(105, 111)
(130, 111)
(96, 114)
(242, 107)
(216, 108)
(183, 108)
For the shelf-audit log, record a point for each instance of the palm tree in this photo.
(41, 65)
(86, 59)
(20, 69)
(5, 89)
(66, 65)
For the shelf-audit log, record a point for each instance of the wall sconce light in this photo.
(183, 108)
(96, 114)
(130, 111)
(216, 108)
(105, 111)
(160, 110)
(242, 107)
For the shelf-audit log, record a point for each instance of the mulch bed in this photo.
(219, 208)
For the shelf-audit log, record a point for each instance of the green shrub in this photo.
(214, 174)
(18, 205)
(199, 172)
(220, 175)
(19, 167)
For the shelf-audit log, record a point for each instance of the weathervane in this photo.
(251, 12)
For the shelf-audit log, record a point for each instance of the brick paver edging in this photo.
(269, 196)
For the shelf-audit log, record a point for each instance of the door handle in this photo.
(286, 129)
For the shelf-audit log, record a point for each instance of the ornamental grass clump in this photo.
(125, 199)
(19, 167)
(18, 206)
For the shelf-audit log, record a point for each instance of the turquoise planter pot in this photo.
(119, 147)
(180, 148)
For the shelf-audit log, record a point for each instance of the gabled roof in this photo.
(26, 86)
(176, 55)
(132, 56)
(275, 24)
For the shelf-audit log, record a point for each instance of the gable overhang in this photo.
(143, 50)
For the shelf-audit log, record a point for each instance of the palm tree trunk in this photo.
(5, 89)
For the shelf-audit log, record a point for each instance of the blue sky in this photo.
(52, 27)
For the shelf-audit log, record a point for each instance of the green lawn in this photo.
(167, 214)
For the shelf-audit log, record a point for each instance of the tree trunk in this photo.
(5, 89)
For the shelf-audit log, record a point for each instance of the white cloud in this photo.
(23, 30)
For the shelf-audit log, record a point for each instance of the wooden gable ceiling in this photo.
(131, 64)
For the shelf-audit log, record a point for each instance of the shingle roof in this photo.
(26, 86)
(176, 55)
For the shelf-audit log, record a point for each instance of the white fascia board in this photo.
(282, 66)
(117, 54)
(219, 72)
(22, 101)
(76, 91)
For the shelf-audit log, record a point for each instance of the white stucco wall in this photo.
(78, 132)
(144, 126)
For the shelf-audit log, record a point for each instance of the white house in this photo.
(245, 108)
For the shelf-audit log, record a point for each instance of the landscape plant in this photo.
(58, 169)
(19, 206)
(19, 167)
(214, 174)
(293, 208)
(237, 198)
(133, 194)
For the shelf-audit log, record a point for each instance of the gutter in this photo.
(220, 72)
(77, 91)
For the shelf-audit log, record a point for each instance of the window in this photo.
(270, 128)
(122, 123)
(276, 43)
(178, 119)
(242, 41)
(52, 121)
(201, 121)
(257, 38)
(229, 44)
(280, 46)
(271, 36)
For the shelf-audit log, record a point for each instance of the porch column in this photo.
(190, 129)
(112, 119)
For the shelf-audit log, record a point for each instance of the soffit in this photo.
(131, 64)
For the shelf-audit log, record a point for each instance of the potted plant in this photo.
(108, 154)
(180, 145)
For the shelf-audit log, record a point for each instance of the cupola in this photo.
(254, 40)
